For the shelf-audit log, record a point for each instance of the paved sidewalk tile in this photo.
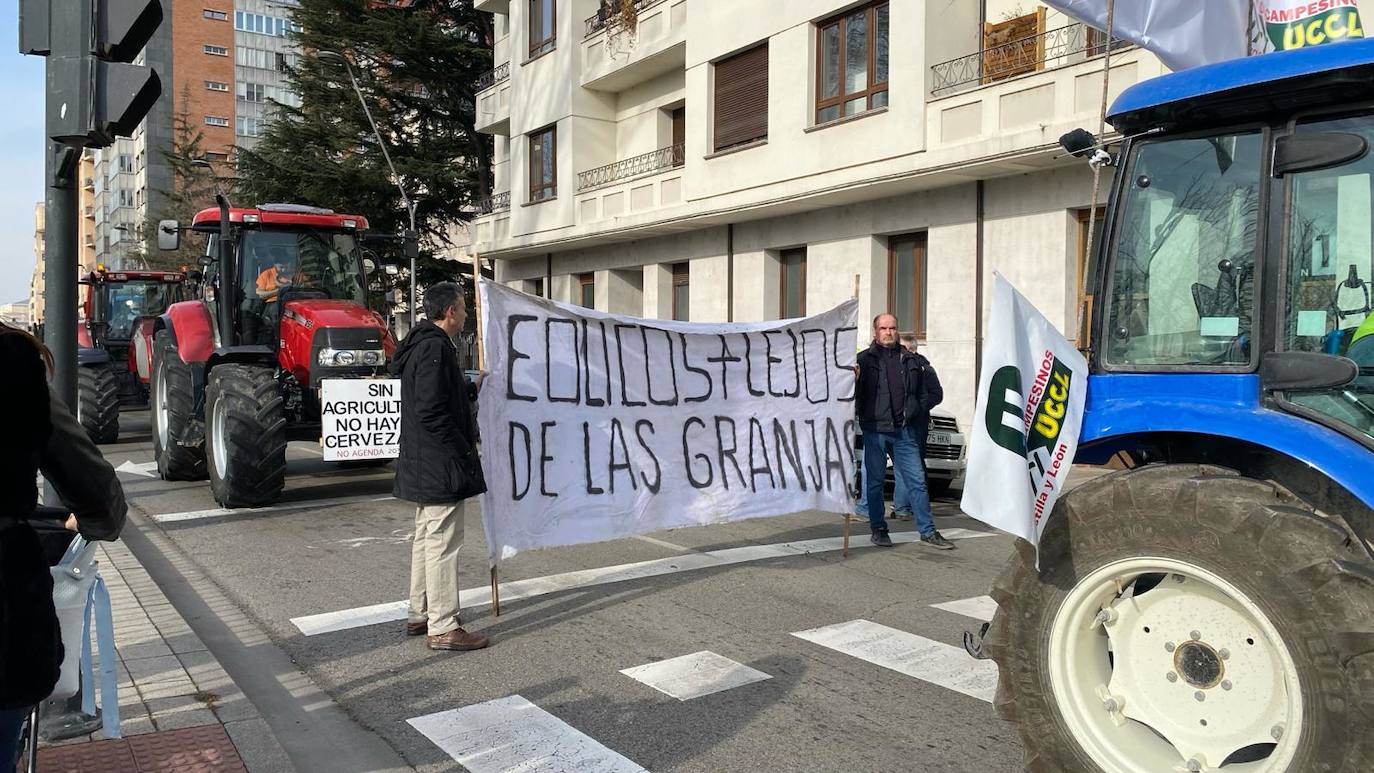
(192, 750)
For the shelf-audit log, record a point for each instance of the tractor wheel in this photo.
(938, 489)
(173, 401)
(1184, 618)
(97, 403)
(245, 434)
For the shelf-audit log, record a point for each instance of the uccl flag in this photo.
(1026, 424)
(1189, 33)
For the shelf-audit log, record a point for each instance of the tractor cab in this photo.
(1207, 604)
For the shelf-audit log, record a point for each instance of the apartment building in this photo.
(730, 160)
(222, 64)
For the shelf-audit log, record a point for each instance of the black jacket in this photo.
(41, 435)
(873, 405)
(438, 464)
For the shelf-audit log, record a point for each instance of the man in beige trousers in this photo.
(438, 467)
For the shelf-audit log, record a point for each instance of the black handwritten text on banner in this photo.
(597, 426)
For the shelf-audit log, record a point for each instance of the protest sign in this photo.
(361, 419)
(597, 426)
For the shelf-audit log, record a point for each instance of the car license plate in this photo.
(940, 439)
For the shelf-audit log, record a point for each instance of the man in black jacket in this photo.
(438, 467)
(893, 398)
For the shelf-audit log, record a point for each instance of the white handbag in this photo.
(78, 592)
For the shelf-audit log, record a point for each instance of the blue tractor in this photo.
(1211, 604)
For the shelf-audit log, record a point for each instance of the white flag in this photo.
(1026, 423)
(597, 426)
(1188, 33)
(1182, 33)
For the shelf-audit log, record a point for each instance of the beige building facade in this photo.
(740, 161)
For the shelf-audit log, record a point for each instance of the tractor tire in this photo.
(172, 405)
(97, 403)
(245, 434)
(938, 489)
(1160, 590)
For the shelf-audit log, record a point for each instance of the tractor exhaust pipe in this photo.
(228, 285)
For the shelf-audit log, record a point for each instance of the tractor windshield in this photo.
(1328, 307)
(1182, 289)
(124, 302)
(315, 262)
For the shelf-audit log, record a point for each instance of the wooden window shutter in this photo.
(741, 99)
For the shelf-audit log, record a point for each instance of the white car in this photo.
(946, 455)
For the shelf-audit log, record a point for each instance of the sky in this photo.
(21, 155)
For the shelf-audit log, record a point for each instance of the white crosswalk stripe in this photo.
(695, 675)
(906, 653)
(978, 607)
(512, 735)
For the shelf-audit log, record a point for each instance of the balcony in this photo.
(615, 59)
(498, 74)
(497, 202)
(493, 100)
(1046, 51)
(644, 182)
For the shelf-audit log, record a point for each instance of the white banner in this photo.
(1026, 423)
(360, 418)
(597, 426)
(1189, 33)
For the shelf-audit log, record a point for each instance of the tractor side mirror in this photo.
(168, 235)
(206, 260)
(1079, 142)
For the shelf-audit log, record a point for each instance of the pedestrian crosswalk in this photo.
(513, 735)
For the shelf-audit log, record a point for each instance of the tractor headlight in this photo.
(346, 357)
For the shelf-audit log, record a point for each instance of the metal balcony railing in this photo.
(1054, 48)
(497, 202)
(493, 76)
(653, 161)
(598, 22)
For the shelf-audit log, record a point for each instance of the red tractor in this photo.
(117, 309)
(238, 373)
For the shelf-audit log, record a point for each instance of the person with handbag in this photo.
(438, 466)
(42, 435)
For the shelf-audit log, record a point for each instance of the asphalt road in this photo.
(876, 682)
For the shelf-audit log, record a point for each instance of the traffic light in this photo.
(90, 45)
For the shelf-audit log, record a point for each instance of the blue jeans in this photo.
(909, 471)
(11, 722)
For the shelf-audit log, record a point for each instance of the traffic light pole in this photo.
(59, 265)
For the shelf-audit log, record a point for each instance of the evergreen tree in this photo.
(416, 62)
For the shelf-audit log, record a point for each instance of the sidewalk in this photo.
(178, 709)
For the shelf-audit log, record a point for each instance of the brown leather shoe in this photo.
(458, 639)
(417, 629)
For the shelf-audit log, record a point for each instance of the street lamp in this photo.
(411, 246)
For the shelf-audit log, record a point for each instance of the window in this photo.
(126, 163)
(1327, 306)
(216, 120)
(215, 155)
(678, 117)
(538, 288)
(906, 282)
(216, 50)
(248, 126)
(284, 63)
(543, 26)
(741, 98)
(851, 63)
(681, 290)
(586, 284)
(792, 283)
(544, 164)
(1087, 265)
(254, 92)
(215, 15)
(124, 197)
(1182, 282)
(216, 86)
